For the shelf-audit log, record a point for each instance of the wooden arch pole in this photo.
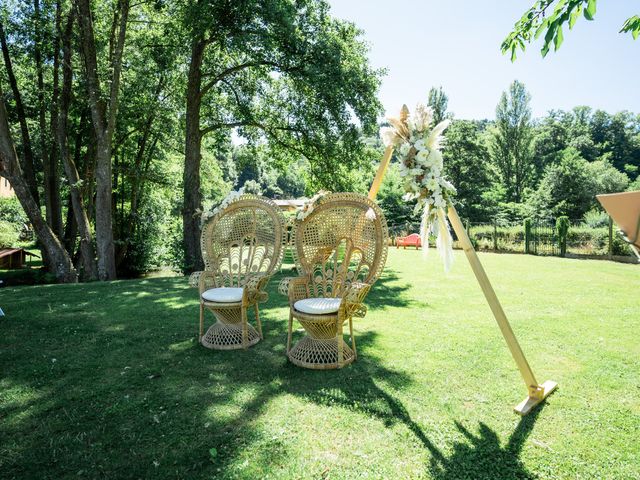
(537, 392)
(382, 169)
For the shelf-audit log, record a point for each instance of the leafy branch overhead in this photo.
(548, 17)
(632, 25)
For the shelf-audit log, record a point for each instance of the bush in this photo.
(620, 247)
(150, 245)
(9, 235)
(596, 218)
(583, 239)
(562, 229)
(509, 238)
(566, 188)
(30, 276)
(11, 211)
(579, 239)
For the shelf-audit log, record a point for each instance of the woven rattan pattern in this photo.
(340, 249)
(242, 246)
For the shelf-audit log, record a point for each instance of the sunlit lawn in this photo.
(107, 381)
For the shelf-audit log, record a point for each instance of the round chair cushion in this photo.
(318, 306)
(223, 295)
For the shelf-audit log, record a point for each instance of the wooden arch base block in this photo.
(536, 397)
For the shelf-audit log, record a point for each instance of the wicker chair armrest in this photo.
(283, 286)
(194, 279)
(206, 280)
(254, 288)
(296, 288)
(353, 298)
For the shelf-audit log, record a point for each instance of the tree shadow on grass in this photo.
(482, 457)
(387, 292)
(106, 380)
(366, 387)
(476, 457)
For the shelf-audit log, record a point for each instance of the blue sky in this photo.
(456, 44)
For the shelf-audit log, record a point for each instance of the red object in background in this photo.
(412, 240)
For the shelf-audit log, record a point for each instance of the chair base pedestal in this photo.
(223, 336)
(320, 354)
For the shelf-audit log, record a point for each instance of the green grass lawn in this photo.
(106, 380)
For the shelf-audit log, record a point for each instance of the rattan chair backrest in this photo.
(343, 240)
(243, 240)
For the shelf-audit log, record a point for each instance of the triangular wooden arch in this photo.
(624, 209)
(537, 392)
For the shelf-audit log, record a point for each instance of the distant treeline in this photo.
(517, 167)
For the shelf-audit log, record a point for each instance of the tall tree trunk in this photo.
(49, 164)
(89, 167)
(104, 126)
(192, 157)
(26, 163)
(87, 253)
(85, 163)
(60, 261)
(70, 229)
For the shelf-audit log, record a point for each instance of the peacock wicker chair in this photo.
(340, 249)
(242, 247)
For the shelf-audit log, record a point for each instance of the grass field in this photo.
(106, 380)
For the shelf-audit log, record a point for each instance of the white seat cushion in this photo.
(318, 306)
(223, 295)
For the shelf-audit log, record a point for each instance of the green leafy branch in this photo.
(632, 25)
(549, 17)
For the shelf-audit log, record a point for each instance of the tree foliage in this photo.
(399, 212)
(285, 75)
(548, 17)
(438, 101)
(570, 186)
(468, 165)
(100, 151)
(512, 138)
(566, 188)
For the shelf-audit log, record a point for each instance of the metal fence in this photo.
(540, 238)
(543, 239)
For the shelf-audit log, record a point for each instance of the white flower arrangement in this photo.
(421, 168)
(309, 205)
(228, 200)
